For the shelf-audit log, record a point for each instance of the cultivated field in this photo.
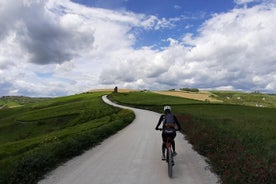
(202, 95)
(227, 97)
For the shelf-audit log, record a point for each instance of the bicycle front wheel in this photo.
(170, 162)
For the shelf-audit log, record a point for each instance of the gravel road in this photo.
(133, 156)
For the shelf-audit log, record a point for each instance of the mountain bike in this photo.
(169, 155)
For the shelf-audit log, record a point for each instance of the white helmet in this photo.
(167, 108)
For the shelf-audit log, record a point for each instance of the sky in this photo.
(52, 48)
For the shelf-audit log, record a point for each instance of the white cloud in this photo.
(69, 48)
(72, 42)
(230, 50)
(243, 1)
(234, 47)
(177, 7)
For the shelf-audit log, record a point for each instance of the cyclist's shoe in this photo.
(174, 153)
(163, 157)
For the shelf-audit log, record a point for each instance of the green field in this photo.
(249, 99)
(238, 140)
(35, 138)
(17, 101)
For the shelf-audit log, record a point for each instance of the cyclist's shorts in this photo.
(168, 133)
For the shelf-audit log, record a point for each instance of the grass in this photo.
(35, 138)
(16, 101)
(239, 141)
(147, 98)
(205, 96)
(51, 115)
(249, 99)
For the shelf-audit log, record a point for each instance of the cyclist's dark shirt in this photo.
(162, 118)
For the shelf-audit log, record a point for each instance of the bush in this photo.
(190, 89)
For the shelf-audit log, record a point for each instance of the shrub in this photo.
(190, 89)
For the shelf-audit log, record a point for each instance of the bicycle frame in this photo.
(169, 155)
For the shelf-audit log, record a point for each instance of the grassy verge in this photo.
(239, 141)
(36, 138)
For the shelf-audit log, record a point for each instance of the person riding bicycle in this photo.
(170, 125)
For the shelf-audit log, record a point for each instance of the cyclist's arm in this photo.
(159, 122)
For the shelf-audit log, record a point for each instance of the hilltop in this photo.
(212, 96)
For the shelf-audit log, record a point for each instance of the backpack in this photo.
(169, 119)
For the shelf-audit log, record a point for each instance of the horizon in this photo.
(130, 90)
(73, 46)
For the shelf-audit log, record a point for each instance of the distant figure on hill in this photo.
(115, 90)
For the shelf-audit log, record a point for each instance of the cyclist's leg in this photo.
(173, 143)
(164, 137)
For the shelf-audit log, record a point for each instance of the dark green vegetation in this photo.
(190, 89)
(239, 141)
(37, 137)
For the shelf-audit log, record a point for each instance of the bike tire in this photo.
(170, 163)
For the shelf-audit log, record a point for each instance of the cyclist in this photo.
(170, 125)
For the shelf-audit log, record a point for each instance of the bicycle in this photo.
(169, 155)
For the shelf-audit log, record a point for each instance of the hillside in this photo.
(201, 95)
(38, 136)
(227, 97)
(43, 132)
(16, 101)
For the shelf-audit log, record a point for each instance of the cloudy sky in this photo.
(57, 48)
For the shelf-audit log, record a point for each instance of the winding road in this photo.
(133, 156)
